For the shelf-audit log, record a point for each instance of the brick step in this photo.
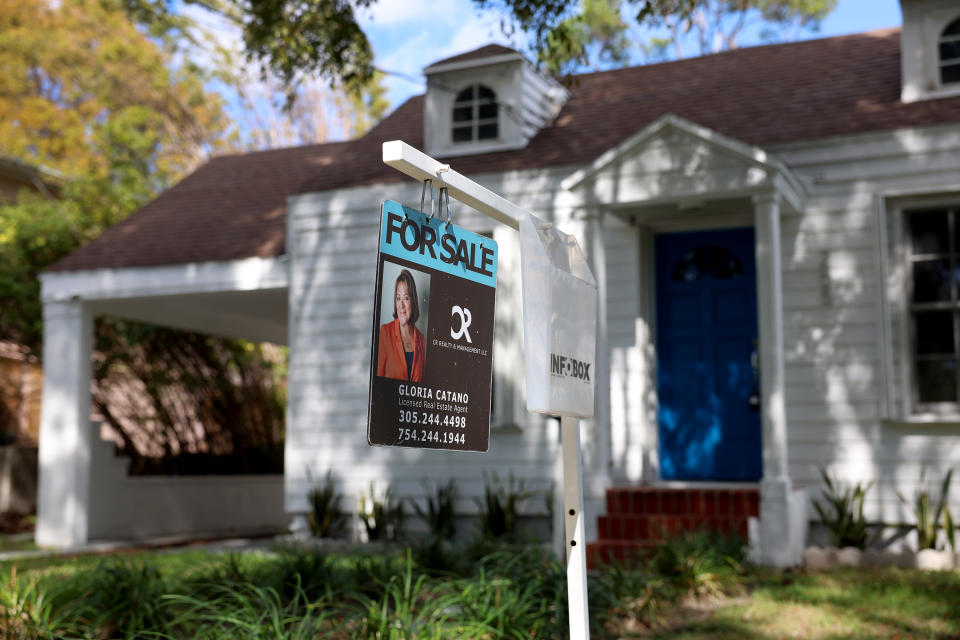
(683, 502)
(659, 527)
(626, 552)
(639, 518)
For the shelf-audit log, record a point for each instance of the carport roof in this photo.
(234, 206)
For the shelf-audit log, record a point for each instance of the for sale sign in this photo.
(432, 334)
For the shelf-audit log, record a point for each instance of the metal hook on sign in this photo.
(445, 199)
(423, 193)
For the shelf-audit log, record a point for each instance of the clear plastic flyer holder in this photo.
(559, 321)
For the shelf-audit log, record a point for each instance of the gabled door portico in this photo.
(678, 176)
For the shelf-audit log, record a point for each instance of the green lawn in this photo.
(689, 590)
(887, 603)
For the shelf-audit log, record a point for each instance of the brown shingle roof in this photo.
(234, 207)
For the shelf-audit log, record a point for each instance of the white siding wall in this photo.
(333, 251)
(836, 381)
(834, 335)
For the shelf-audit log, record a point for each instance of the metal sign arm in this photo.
(419, 166)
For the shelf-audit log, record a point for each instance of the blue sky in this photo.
(407, 35)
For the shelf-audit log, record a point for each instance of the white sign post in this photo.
(559, 315)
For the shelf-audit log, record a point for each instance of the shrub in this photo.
(382, 517)
(928, 523)
(440, 514)
(842, 512)
(500, 509)
(326, 517)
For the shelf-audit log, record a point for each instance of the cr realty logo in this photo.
(465, 319)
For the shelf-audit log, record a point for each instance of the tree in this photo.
(716, 25)
(598, 34)
(85, 92)
(296, 39)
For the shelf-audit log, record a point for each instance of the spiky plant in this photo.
(929, 521)
(842, 512)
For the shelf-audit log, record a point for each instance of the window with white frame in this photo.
(933, 247)
(949, 49)
(475, 115)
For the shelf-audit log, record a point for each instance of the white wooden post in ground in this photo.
(420, 166)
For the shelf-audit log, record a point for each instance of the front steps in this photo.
(638, 518)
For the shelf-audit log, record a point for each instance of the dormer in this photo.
(930, 49)
(489, 99)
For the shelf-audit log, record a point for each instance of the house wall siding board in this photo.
(832, 284)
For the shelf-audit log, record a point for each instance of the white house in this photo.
(775, 233)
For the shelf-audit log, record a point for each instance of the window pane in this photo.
(934, 331)
(929, 232)
(931, 281)
(950, 74)
(937, 381)
(953, 29)
(949, 50)
(487, 131)
(488, 110)
(715, 260)
(461, 114)
(484, 92)
(466, 95)
(462, 134)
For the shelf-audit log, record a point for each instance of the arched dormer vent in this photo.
(475, 115)
(486, 100)
(949, 46)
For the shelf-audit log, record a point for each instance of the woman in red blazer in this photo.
(402, 347)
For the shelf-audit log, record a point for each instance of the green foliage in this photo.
(440, 513)
(250, 611)
(291, 38)
(405, 608)
(295, 39)
(841, 511)
(715, 25)
(597, 35)
(929, 521)
(698, 563)
(500, 508)
(118, 598)
(326, 518)
(382, 516)
(85, 93)
(687, 567)
(515, 592)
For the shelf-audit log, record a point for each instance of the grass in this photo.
(875, 604)
(16, 543)
(692, 588)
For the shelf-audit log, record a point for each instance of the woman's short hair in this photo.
(407, 278)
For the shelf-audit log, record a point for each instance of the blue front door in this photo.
(709, 420)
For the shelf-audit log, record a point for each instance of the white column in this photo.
(770, 320)
(777, 527)
(65, 428)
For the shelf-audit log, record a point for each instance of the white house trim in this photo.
(775, 172)
(196, 277)
(473, 63)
